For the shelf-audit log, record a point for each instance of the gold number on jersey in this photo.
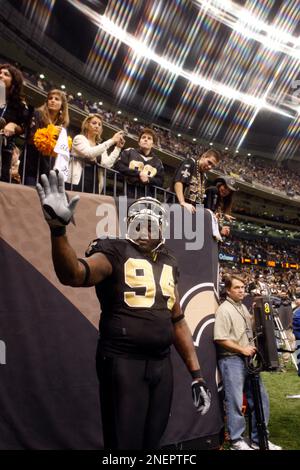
(167, 285)
(150, 170)
(139, 166)
(135, 165)
(139, 274)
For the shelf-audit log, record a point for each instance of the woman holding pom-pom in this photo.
(46, 125)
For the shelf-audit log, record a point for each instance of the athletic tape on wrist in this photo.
(196, 374)
(58, 231)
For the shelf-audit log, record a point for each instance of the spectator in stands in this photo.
(88, 151)
(140, 167)
(233, 335)
(13, 115)
(189, 179)
(219, 198)
(248, 169)
(53, 111)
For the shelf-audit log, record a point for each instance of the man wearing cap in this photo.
(219, 199)
(136, 284)
(189, 179)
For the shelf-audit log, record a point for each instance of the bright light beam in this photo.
(251, 27)
(142, 50)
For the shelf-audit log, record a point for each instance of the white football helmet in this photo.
(147, 210)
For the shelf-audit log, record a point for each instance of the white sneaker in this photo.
(272, 446)
(240, 445)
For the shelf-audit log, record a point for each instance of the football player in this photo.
(136, 284)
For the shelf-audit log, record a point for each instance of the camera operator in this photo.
(233, 335)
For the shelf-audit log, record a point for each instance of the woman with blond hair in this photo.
(88, 151)
(53, 111)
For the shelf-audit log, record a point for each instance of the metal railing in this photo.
(113, 183)
(97, 179)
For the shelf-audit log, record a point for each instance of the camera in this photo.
(275, 301)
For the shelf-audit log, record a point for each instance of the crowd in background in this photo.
(247, 169)
(254, 170)
(252, 212)
(266, 249)
(284, 284)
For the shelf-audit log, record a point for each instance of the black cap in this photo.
(229, 182)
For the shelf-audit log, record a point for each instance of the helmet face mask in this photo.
(146, 220)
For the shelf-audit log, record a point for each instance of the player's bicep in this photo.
(96, 268)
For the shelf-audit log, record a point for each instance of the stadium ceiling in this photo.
(226, 71)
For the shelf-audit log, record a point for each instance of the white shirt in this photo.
(83, 151)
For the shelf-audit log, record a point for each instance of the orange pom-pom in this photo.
(45, 139)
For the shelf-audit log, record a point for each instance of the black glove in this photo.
(201, 396)
(57, 210)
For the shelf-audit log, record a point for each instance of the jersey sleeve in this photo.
(184, 172)
(105, 246)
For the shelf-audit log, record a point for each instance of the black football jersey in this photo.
(186, 173)
(136, 300)
(131, 162)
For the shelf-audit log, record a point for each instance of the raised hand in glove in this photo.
(201, 396)
(57, 210)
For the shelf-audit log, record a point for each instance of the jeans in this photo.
(236, 380)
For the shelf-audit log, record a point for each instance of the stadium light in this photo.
(242, 21)
(142, 50)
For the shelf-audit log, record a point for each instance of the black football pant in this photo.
(135, 397)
